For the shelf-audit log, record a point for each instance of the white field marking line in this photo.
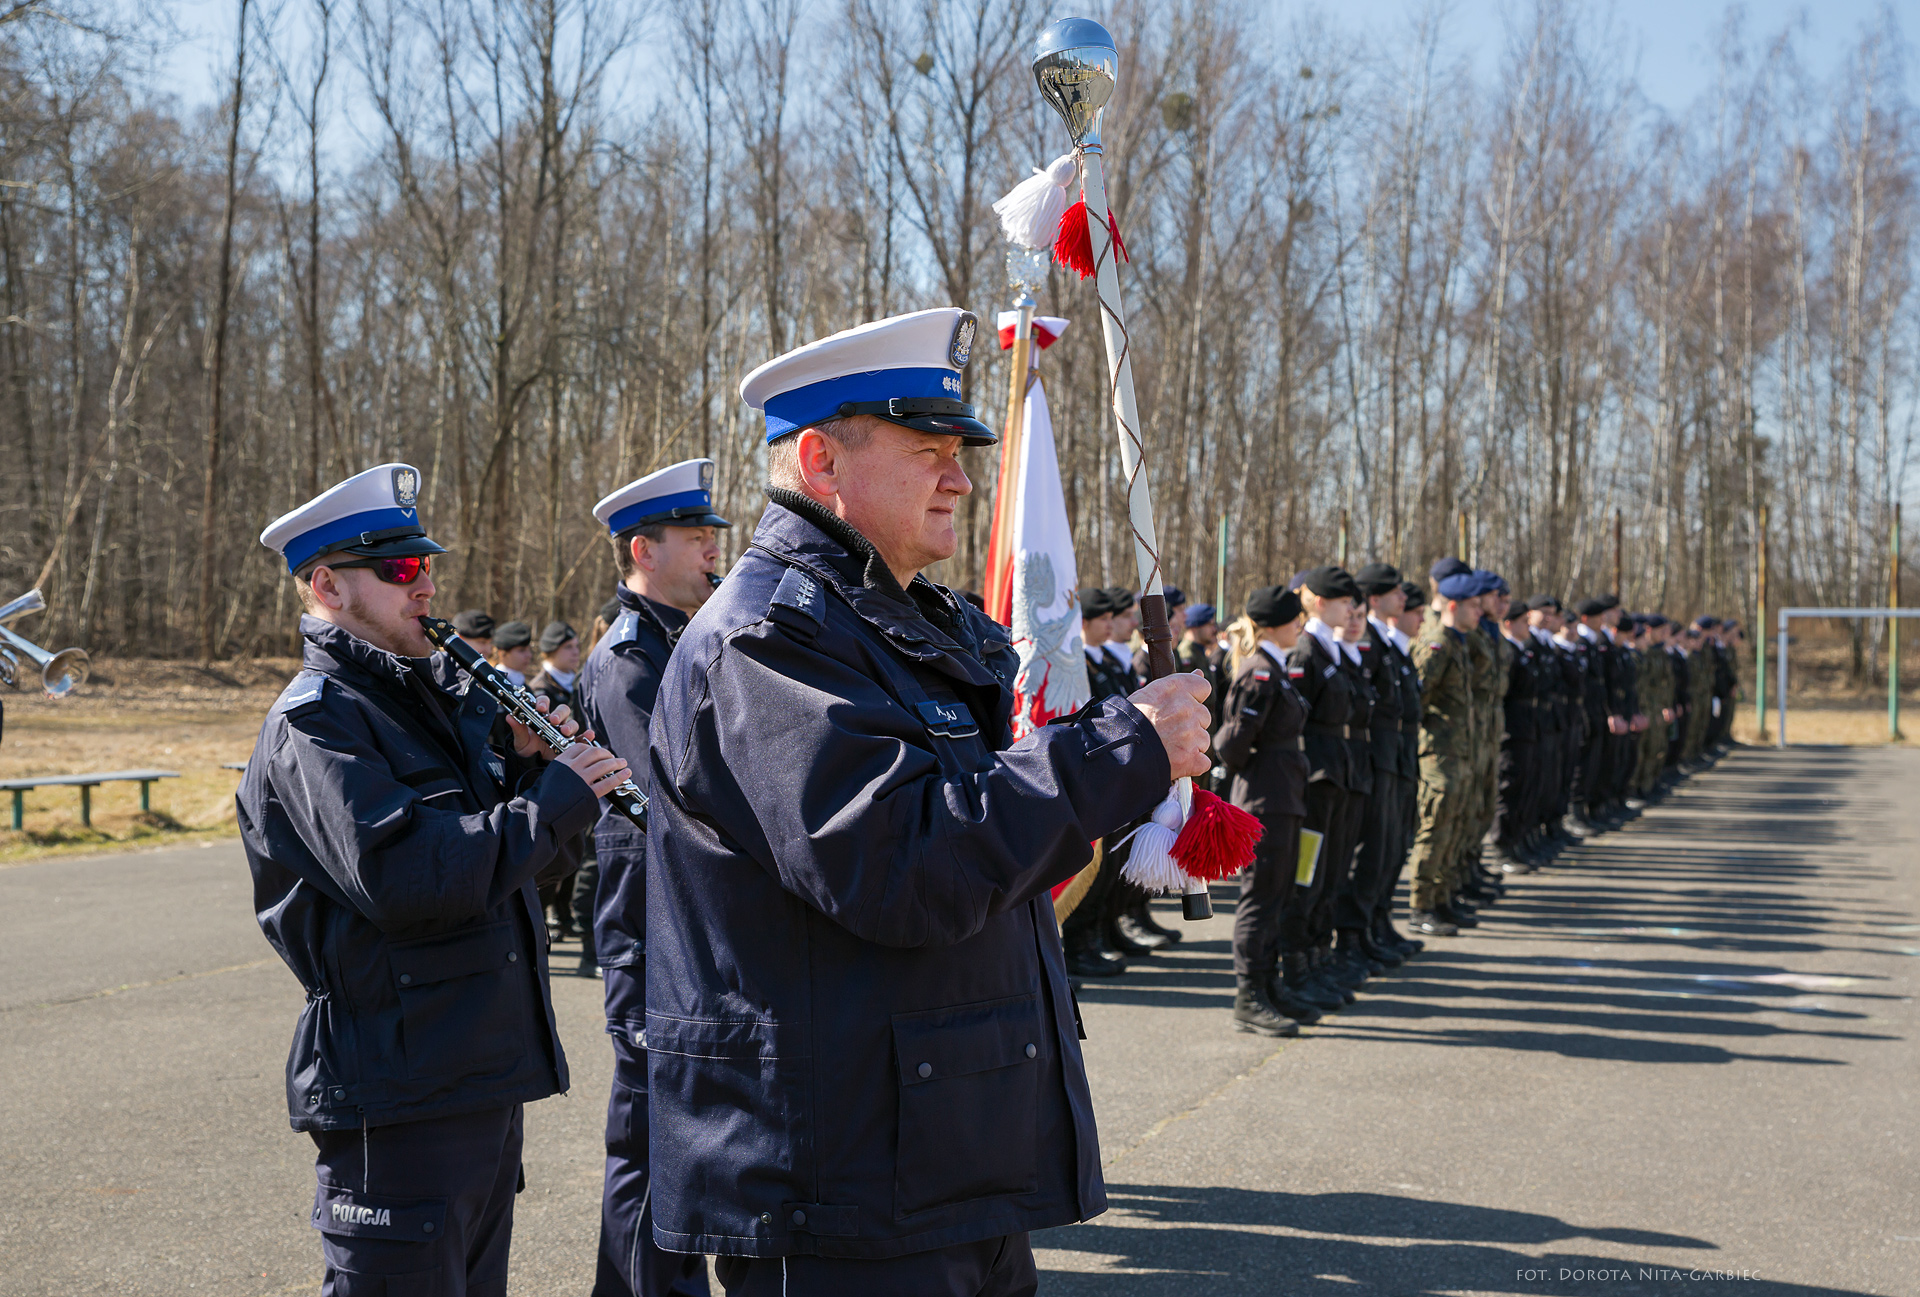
(1154, 1130)
(141, 986)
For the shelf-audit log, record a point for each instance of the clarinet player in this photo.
(395, 852)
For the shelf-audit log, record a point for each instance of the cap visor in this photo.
(971, 432)
(398, 547)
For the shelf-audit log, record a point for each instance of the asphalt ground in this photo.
(1684, 1051)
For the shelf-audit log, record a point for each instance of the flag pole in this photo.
(998, 586)
(1075, 66)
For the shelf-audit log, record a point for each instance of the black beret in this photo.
(1095, 602)
(1273, 605)
(1609, 601)
(1543, 601)
(512, 635)
(1175, 596)
(1706, 623)
(1416, 597)
(1378, 578)
(556, 634)
(1121, 596)
(1331, 582)
(1447, 567)
(473, 624)
(610, 610)
(1516, 610)
(1591, 607)
(1654, 619)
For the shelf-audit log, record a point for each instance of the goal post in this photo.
(1893, 662)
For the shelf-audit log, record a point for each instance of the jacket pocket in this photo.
(458, 1004)
(969, 1098)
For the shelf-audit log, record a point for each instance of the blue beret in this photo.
(1460, 585)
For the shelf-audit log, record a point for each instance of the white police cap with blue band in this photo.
(680, 495)
(905, 370)
(371, 513)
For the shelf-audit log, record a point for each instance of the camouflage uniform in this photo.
(1447, 720)
(1700, 698)
(1656, 692)
(1489, 668)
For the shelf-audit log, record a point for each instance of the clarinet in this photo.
(626, 797)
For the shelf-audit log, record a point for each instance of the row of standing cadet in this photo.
(1472, 735)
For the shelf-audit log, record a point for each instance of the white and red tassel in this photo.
(1214, 840)
(1030, 213)
(1073, 246)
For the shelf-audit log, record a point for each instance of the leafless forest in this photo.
(531, 246)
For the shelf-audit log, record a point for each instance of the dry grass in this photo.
(135, 714)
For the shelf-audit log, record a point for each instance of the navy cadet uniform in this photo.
(1396, 771)
(619, 688)
(560, 689)
(394, 854)
(1336, 796)
(864, 1066)
(1259, 746)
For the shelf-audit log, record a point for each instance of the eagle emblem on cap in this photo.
(960, 349)
(406, 487)
(706, 476)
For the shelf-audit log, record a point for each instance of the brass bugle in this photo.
(60, 673)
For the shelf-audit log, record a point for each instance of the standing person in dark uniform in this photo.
(1590, 780)
(559, 669)
(1348, 955)
(1552, 721)
(1199, 650)
(1314, 666)
(1520, 747)
(1260, 747)
(865, 1073)
(1383, 842)
(394, 852)
(1131, 928)
(1083, 932)
(666, 540)
(557, 682)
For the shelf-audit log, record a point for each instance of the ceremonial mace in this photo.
(1076, 65)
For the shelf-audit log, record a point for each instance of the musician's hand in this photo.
(602, 770)
(529, 744)
(1176, 707)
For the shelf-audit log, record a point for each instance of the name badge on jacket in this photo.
(948, 720)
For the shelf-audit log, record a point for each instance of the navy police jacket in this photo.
(860, 1037)
(394, 873)
(618, 686)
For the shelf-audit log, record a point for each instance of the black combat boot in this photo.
(1282, 997)
(1459, 916)
(1252, 1013)
(1431, 924)
(1384, 954)
(1297, 974)
(1350, 945)
(1148, 927)
(1336, 972)
(1085, 955)
(1117, 937)
(1388, 936)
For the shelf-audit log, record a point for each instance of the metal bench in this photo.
(86, 783)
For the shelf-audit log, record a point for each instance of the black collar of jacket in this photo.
(923, 619)
(668, 618)
(336, 650)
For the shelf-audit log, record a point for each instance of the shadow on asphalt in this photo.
(1682, 941)
(1196, 1240)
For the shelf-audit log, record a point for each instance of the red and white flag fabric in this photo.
(1046, 329)
(1041, 603)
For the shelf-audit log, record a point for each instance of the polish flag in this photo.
(1046, 329)
(1039, 591)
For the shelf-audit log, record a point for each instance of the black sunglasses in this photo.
(394, 571)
